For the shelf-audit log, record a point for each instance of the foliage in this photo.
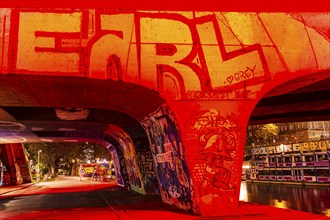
(267, 132)
(69, 155)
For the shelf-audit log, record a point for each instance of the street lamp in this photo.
(38, 177)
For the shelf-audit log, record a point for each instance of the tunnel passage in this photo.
(136, 121)
(300, 99)
(210, 72)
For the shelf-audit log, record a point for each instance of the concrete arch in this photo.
(152, 134)
(106, 140)
(215, 132)
(301, 94)
(210, 69)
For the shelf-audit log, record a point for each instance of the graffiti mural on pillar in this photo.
(216, 172)
(168, 153)
(5, 157)
(149, 179)
(119, 170)
(133, 174)
(128, 148)
(14, 158)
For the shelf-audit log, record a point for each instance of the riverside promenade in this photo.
(70, 198)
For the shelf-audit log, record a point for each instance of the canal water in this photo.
(308, 199)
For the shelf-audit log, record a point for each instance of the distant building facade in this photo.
(289, 133)
(299, 153)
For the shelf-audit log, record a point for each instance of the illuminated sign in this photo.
(298, 147)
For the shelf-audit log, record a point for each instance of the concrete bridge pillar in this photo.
(198, 149)
(16, 163)
(213, 134)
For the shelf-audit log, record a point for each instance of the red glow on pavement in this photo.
(246, 211)
(53, 188)
(99, 213)
(44, 190)
(122, 207)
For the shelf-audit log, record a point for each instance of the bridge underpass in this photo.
(306, 99)
(303, 99)
(188, 96)
(33, 120)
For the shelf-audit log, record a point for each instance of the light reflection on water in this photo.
(307, 199)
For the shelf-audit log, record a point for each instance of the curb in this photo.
(18, 188)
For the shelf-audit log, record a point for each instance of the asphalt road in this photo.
(70, 198)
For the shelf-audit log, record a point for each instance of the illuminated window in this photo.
(309, 172)
(322, 172)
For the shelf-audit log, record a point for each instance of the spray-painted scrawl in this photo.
(218, 137)
(172, 171)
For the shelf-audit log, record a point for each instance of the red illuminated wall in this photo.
(18, 165)
(210, 67)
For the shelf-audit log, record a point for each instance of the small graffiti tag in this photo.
(241, 75)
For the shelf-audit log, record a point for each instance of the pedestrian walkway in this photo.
(123, 204)
(61, 185)
(13, 188)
